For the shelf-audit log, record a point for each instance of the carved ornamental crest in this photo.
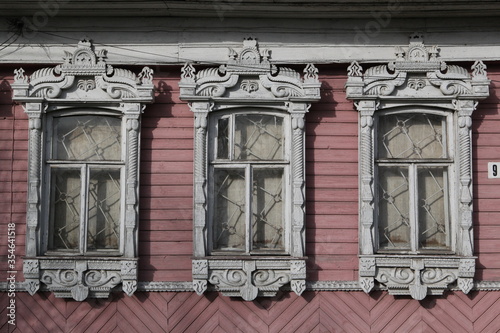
(84, 75)
(417, 72)
(249, 74)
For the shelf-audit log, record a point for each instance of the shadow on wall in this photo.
(6, 104)
(485, 137)
(151, 124)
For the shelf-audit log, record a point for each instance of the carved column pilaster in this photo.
(131, 211)
(298, 175)
(366, 109)
(465, 109)
(34, 111)
(200, 176)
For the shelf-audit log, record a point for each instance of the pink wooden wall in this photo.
(332, 183)
(312, 312)
(166, 231)
(486, 148)
(166, 181)
(166, 184)
(13, 168)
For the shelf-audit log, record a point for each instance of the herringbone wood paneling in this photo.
(311, 312)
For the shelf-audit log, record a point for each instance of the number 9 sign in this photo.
(494, 170)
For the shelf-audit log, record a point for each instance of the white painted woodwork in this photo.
(251, 8)
(249, 81)
(177, 40)
(417, 80)
(83, 83)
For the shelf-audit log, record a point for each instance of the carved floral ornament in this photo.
(417, 73)
(84, 78)
(84, 75)
(249, 74)
(416, 78)
(249, 80)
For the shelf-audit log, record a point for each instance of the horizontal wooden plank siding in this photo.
(166, 190)
(13, 173)
(332, 181)
(486, 148)
(165, 234)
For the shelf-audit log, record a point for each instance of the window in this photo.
(250, 184)
(415, 220)
(85, 168)
(249, 214)
(414, 168)
(82, 216)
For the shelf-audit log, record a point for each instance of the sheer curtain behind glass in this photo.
(248, 207)
(86, 195)
(412, 182)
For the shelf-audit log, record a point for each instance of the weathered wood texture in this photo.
(165, 235)
(175, 40)
(252, 8)
(311, 312)
(486, 141)
(13, 172)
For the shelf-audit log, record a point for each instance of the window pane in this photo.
(103, 230)
(258, 137)
(65, 209)
(432, 217)
(411, 136)
(229, 217)
(267, 202)
(87, 138)
(393, 205)
(223, 138)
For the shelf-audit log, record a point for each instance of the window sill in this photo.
(249, 276)
(241, 256)
(416, 275)
(100, 255)
(80, 277)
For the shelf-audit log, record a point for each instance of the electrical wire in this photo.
(179, 59)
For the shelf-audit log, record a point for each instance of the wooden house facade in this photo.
(217, 166)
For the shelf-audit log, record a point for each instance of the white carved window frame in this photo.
(86, 84)
(249, 81)
(415, 82)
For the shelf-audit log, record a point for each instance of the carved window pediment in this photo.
(415, 220)
(84, 127)
(249, 173)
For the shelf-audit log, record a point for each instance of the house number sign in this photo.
(493, 169)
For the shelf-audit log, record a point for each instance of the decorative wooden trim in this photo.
(84, 79)
(249, 79)
(416, 78)
(187, 286)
